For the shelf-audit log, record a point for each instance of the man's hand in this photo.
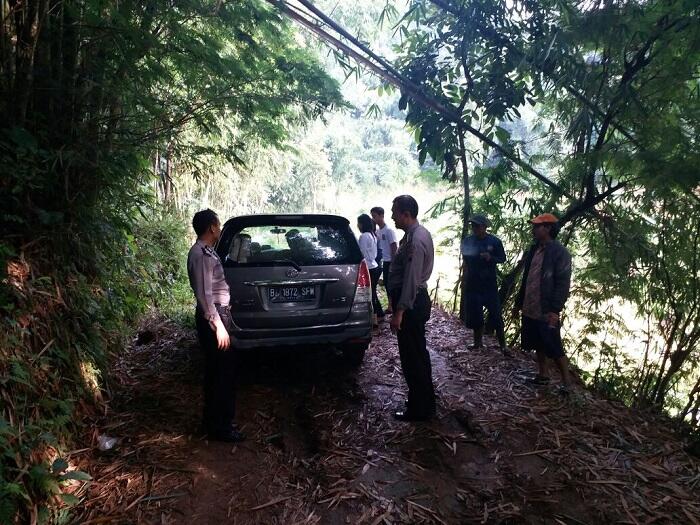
(395, 322)
(553, 319)
(223, 341)
(485, 256)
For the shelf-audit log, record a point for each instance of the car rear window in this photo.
(263, 245)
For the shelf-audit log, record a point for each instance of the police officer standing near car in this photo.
(408, 289)
(213, 317)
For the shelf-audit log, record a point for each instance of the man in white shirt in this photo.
(387, 243)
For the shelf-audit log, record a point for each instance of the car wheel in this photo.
(354, 354)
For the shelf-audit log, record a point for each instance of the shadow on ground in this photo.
(322, 447)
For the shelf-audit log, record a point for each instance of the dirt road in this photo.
(322, 446)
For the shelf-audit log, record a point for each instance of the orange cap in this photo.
(545, 218)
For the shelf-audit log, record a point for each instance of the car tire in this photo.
(354, 354)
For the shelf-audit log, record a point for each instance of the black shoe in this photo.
(506, 352)
(227, 436)
(475, 347)
(405, 415)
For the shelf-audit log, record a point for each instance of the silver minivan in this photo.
(297, 280)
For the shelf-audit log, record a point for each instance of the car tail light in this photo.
(363, 279)
(363, 292)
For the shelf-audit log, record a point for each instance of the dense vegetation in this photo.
(590, 110)
(117, 120)
(611, 144)
(92, 93)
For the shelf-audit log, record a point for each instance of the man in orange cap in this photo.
(541, 298)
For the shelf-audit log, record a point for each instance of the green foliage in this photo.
(95, 91)
(653, 250)
(601, 99)
(327, 166)
(73, 322)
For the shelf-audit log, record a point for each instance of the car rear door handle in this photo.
(296, 282)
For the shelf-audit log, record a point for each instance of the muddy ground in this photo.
(323, 448)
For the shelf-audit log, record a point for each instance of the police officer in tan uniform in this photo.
(213, 317)
(408, 289)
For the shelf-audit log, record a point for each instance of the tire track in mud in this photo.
(337, 455)
(323, 448)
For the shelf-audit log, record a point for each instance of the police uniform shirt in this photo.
(207, 280)
(412, 265)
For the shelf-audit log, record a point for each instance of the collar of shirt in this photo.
(412, 227)
(207, 249)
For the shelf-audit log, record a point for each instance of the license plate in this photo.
(291, 294)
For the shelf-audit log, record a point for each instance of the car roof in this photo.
(285, 219)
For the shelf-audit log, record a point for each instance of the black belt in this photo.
(396, 292)
(392, 290)
(225, 308)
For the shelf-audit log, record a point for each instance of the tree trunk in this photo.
(693, 399)
(678, 359)
(28, 25)
(466, 212)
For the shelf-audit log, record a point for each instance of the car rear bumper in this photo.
(351, 332)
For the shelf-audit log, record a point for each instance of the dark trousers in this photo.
(374, 274)
(219, 383)
(537, 335)
(415, 360)
(476, 302)
(386, 267)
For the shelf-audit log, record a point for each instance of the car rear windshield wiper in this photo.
(289, 262)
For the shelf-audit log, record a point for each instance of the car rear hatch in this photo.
(289, 271)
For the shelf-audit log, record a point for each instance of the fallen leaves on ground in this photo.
(322, 446)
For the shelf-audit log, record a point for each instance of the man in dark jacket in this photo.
(542, 295)
(482, 252)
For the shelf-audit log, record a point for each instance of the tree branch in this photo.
(366, 57)
(488, 33)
